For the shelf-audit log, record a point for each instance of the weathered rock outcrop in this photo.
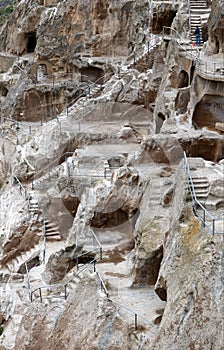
(102, 325)
(101, 184)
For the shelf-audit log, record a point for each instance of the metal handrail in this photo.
(159, 39)
(195, 56)
(197, 203)
(102, 284)
(79, 271)
(21, 187)
(37, 175)
(136, 315)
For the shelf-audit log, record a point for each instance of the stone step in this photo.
(14, 265)
(52, 231)
(201, 184)
(202, 179)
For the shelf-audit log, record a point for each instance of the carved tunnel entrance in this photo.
(111, 219)
(31, 42)
(92, 74)
(209, 111)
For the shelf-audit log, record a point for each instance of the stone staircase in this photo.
(34, 254)
(155, 193)
(201, 187)
(52, 230)
(51, 174)
(91, 92)
(16, 264)
(199, 12)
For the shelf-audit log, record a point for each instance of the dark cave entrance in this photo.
(183, 79)
(209, 111)
(147, 274)
(92, 74)
(3, 91)
(162, 19)
(31, 42)
(159, 122)
(109, 219)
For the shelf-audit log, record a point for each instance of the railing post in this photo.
(65, 291)
(204, 218)
(94, 266)
(40, 295)
(101, 253)
(213, 227)
(136, 322)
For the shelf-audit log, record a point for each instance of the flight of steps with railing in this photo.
(201, 187)
(50, 228)
(199, 13)
(16, 264)
(51, 174)
(91, 91)
(43, 227)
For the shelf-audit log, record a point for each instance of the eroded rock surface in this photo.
(100, 245)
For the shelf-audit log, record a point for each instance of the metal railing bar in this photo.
(103, 287)
(133, 313)
(205, 216)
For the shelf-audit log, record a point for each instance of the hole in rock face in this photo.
(3, 90)
(183, 79)
(182, 100)
(161, 289)
(209, 111)
(92, 74)
(162, 19)
(71, 204)
(192, 73)
(147, 273)
(31, 42)
(111, 219)
(159, 122)
(208, 149)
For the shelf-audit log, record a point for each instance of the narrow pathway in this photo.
(116, 269)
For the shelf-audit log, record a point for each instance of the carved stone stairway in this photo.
(199, 13)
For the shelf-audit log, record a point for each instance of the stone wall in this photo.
(6, 62)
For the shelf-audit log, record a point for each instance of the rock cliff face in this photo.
(102, 245)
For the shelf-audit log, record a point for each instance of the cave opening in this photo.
(91, 74)
(183, 79)
(3, 91)
(208, 111)
(31, 42)
(109, 219)
(208, 149)
(71, 204)
(163, 19)
(147, 273)
(159, 122)
(192, 73)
